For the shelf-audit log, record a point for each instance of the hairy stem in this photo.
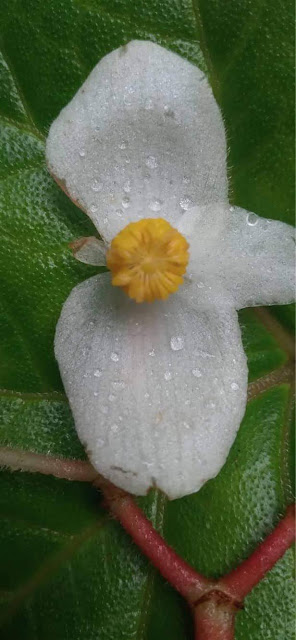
(214, 622)
(17, 460)
(241, 580)
(214, 602)
(180, 575)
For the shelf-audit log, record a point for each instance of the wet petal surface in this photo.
(143, 137)
(157, 391)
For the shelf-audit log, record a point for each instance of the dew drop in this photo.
(186, 425)
(148, 464)
(111, 397)
(114, 428)
(93, 208)
(186, 202)
(114, 357)
(119, 213)
(234, 386)
(82, 153)
(125, 202)
(152, 353)
(186, 180)
(155, 205)
(149, 105)
(96, 186)
(96, 393)
(252, 219)
(151, 162)
(177, 343)
(147, 395)
(123, 144)
(98, 373)
(168, 111)
(127, 186)
(168, 375)
(104, 409)
(197, 373)
(231, 209)
(118, 384)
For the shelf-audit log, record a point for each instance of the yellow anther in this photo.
(148, 259)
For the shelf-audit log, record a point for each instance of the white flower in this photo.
(158, 390)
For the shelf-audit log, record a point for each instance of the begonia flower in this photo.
(154, 366)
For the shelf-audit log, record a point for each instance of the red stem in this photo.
(179, 574)
(213, 602)
(214, 622)
(241, 580)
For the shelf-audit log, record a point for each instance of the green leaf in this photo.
(69, 571)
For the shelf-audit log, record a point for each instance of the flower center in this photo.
(148, 259)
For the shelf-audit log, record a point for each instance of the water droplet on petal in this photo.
(252, 219)
(82, 153)
(127, 186)
(231, 209)
(151, 162)
(97, 186)
(125, 202)
(118, 384)
(114, 357)
(111, 397)
(149, 105)
(155, 205)
(168, 111)
(148, 464)
(104, 409)
(114, 428)
(147, 395)
(152, 353)
(123, 144)
(93, 208)
(234, 386)
(186, 202)
(197, 373)
(177, 343)
(98, 373)
(168, 375)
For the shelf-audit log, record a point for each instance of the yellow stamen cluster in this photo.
(148, 259)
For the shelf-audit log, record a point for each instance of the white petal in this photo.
(238, 258)
(90, 250)
(157, 391)
(143, 137)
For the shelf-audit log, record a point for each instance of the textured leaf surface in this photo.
(68, 569)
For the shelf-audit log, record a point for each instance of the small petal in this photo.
(90, 250)
(143, 137)
(157, 391)
(238, 258)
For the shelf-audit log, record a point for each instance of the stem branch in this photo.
(179, 574)
(241, 580)
(213, 602)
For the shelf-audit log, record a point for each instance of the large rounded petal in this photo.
(157, 391)
(143, 137)
(238, 258)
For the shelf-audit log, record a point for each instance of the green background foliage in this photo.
(68, 570)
